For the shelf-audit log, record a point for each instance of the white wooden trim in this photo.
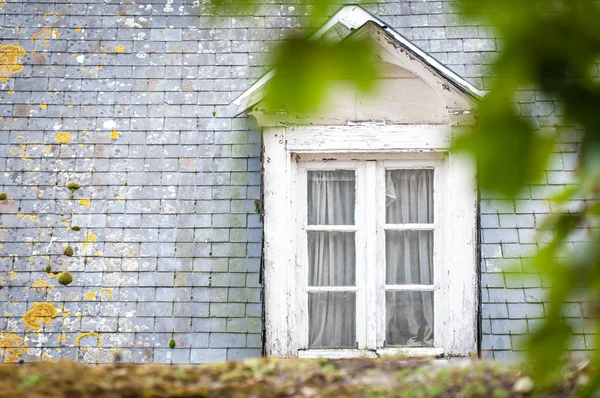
(411, 351)
(371, 278)
(336, 353)
(455, 277)
(368, 138)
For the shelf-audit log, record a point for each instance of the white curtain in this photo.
(409, 258)
(331, 257)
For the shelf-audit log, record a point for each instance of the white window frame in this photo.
(287, 153)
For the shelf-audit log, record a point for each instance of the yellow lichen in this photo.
(53, 13)
(91, 238)
(11, 92)
(2, 3)
(9, 61)
(114, 135)
(62, 338)
(43, 106)
(77, 30)
(63, 137)
(41, 313)
(12, 346)
(45, 35)
(108, 291)
(40, 284)
(91, 295)
(85, 202)
(12, 275)
(83, 335)
(120, 48)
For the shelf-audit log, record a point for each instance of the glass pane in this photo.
(409, 319)
(409, 257)
(331, 197)
(409, 196)
(331, 259)
(332, 320)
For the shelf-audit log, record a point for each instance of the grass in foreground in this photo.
(270, 377)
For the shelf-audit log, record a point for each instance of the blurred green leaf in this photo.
(509, 152)
(30, 380)
(305, 69)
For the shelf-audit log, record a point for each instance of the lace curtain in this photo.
(332, 258)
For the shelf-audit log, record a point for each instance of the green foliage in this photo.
(65, 278)
(48, 268)
(75, 228)
(305, 70)
(272, 377)
(30, 380)
(3, 196)
(172, 344)
(68, 251)
(552, 47)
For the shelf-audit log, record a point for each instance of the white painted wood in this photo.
(362, 237)
(461, 274)
(411, 351)
(289, 152)
(368, 138)
(371, 275)
(277, 258)
(337, 353)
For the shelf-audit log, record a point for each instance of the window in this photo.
(367, 253)
(367, 234)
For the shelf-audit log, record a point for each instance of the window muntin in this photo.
(390, 296)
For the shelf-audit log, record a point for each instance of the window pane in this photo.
(409, 257)
(331, 197)
(409, 319)
(409, 196)
(332, 320)
(331, 259)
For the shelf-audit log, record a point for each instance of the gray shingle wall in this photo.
(170, 240)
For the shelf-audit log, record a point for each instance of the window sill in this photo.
(345, 353)
(336, 354)
(436, 352)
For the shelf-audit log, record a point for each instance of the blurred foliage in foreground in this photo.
(551, 46)
(271, 377)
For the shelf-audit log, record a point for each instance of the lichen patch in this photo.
(41, 313)
(9, 61)
(12, 346)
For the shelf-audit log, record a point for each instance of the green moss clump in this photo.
(65, 278)
(48, 268)
(75, 227)
(3, 196)
(73, 186)
(68, 251)
(172, 344)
